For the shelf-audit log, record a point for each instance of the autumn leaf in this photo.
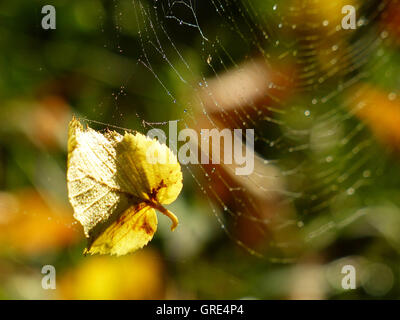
(381, 113)
(23, 217)
(139, 276)
(114, 187)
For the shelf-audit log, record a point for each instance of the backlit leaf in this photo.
(114, 188)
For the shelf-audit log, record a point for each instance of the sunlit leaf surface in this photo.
(114, 187)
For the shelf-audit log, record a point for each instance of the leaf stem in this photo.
(166, 212)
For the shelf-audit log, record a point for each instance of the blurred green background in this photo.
(328, 119)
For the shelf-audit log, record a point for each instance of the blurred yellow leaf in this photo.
(138, 276)
(380, 111)
(319, 15)
(114, 187)
(30, 225)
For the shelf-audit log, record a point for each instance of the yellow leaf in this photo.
(114, 187)
(382, 115)
(133, 229)
(23, 217)
(138, 276)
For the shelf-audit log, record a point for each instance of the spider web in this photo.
(289, 71)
